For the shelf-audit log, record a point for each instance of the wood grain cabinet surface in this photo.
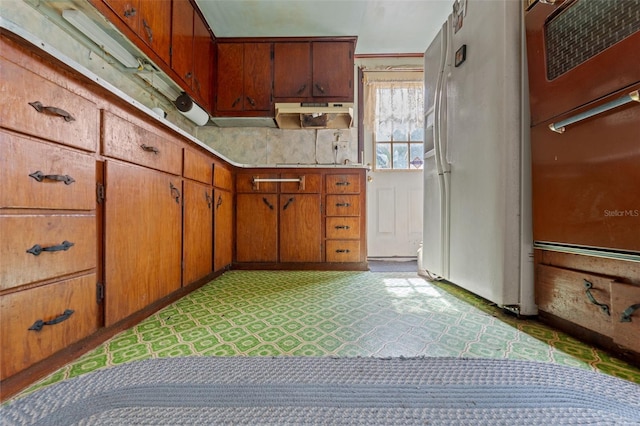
(244, 79)
(305, 71)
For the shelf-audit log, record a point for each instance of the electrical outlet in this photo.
(339, 145)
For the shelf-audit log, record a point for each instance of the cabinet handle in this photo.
(175, 192)
(37, 326)
(251, 101)
(264, 200)
(148, 30)
(52, 111)
(343, 204)
(149, 148)
(603, 307)
(130, 12)
(301, 90)
(39, 176)
(219, 203)
(342, 227)
(559, 127)
(233, 105)
(289, 201)
(345, 183)
(626, 315)
(343, 251)
(196, 84)
(320, 88)
(37, 249)
(188, 75)
(208, 198)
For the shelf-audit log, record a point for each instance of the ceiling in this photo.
(382, 26)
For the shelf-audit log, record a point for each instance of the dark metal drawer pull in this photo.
(233, 105)
(289, 201)
(130, 12)
(40, 176)
(304, 86)
(603, 307)
(150, 148)
(264, 200)
(251, 101)
(343, 251)
(219, 203)
(175, 192)
(626, 315)
(342, 227)
(37, 249)
(343, 204)
(320, 88)
(37, 326)
(52, 111)
(343, 183)
(208, 198)
(148, 30)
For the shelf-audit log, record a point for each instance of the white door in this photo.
(394, 211)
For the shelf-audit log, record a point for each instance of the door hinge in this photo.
(99, 292)
(100, 193)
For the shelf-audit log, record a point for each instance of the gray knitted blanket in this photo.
(332, 391)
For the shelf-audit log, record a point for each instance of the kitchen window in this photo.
(396, 119)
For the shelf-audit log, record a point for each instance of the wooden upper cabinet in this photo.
(149, 19)
(314, 70)
(332, 69)
(292, 70)
(191, 51)
(244, 78)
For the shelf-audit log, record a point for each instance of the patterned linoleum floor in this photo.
(309, 313)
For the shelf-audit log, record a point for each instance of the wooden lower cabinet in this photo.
(38, 322)
(300, 226)
(596, 299)
(198, 231)
(223, 229)
(143, 238)
(257, 228)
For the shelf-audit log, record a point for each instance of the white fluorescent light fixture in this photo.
(160, 85)
(89, 28)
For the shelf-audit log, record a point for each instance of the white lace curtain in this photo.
(394, 103)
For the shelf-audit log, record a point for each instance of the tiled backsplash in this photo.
(268, 146)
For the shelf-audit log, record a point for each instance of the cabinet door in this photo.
(154, 26)
(300, 228)
(333, 70)
(223, 236)
(257, 76)
(198, 231)
(143, 249)
(127, 11)
(230, 77)
(257, 228)
(182, 40)
(292, 70)
(202, 62)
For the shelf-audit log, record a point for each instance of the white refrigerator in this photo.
(477, 185)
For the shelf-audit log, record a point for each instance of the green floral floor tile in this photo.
(331, 313)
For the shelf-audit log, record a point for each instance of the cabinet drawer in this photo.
(585, 181)
(245, 182)
(343, 205)
(222, 178)
(343, 251)
(22, 310)
(343, 227)
(47, 176)
(310, 183)
(21, 234)
(564, 293)
(626, 331)
(33, 105)
(343, 184)
(198, 167)
(129, 142)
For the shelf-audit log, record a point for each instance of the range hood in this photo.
(314, 115)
